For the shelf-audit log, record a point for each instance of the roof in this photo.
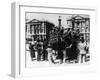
(38, 21)
(32, 21)
(78, 18)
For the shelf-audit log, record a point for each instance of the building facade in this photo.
(81, 23)
(38, 29)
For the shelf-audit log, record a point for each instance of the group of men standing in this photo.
(38, 51)
(71, 47)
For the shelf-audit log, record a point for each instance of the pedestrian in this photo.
(82, 50)
(74, 48)
(50, 51)
(44, 53)
(39, 50)
(32, 51)
(60, 50)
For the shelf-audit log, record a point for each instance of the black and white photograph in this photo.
(55, 38)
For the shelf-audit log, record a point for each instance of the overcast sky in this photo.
(51, 17)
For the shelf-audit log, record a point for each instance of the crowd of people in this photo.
(70, 48)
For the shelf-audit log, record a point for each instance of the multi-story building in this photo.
(81, 23)
(38, 29)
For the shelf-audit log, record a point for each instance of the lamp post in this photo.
(59, 20)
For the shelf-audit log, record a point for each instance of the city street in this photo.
(37, 64)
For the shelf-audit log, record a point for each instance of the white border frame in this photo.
(18, 33)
